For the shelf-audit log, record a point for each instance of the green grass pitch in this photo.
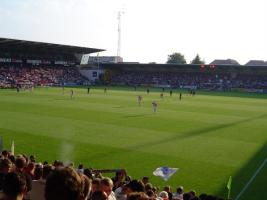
(208, 137)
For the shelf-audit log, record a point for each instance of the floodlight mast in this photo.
(119, 33)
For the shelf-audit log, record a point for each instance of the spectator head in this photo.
(32, 159)
(148, 186)
(150, 194)
(14, 186)
(31, 167)
(135, 186)
(12, 159)
(63, 183)
(5, 165)
(88, 173)
(47, 169)
(20, 163)
(5, 154)
(106, 185)
(193, 193)
(58, 163)
(167, 188)
(80, 168)
(164, 195)
(96, 185)
(187, 196)
(180, 190)
(120, 175)
(99, 195)
(38, 172)
(145, 180)
(137, 196)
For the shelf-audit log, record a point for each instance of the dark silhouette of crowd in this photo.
(25, 76)
(209, 81)
(22, 177)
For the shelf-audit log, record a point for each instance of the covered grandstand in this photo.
(29, 63)
(13, 51)
(208, 77)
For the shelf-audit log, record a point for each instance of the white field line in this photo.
(251, 179)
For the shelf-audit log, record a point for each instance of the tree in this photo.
(176, 58)
(197, 60)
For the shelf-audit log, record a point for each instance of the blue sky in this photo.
(151, 29)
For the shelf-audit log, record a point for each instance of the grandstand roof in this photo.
(224, 62)
(14, 45)
(256, 63)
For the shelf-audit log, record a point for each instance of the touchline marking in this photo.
(251, 179)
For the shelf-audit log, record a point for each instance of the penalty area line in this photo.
(251, 179)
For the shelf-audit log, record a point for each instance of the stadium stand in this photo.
(22, 177)
(32, 76)
(29, 64)
(206, 77)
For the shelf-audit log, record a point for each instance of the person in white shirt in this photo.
(106, 186)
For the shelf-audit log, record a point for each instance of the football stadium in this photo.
(159, 131)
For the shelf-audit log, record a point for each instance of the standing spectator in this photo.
(168, 190)
(21, 163)
(5, 167)
(179, 193)
(64, 184)
(14, 187)
(118, 180)
(106, 186)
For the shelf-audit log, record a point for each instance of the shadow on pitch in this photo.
(185, 135)
(242, 177)
(198, 132)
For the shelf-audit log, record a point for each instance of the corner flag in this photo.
(13, 147)
(229, 186)
(165, 172)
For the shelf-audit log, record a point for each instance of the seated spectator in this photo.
(64, 184)
(14, 187)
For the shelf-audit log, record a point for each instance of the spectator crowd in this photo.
(31, 76)
(208, 81)
(22, 177)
